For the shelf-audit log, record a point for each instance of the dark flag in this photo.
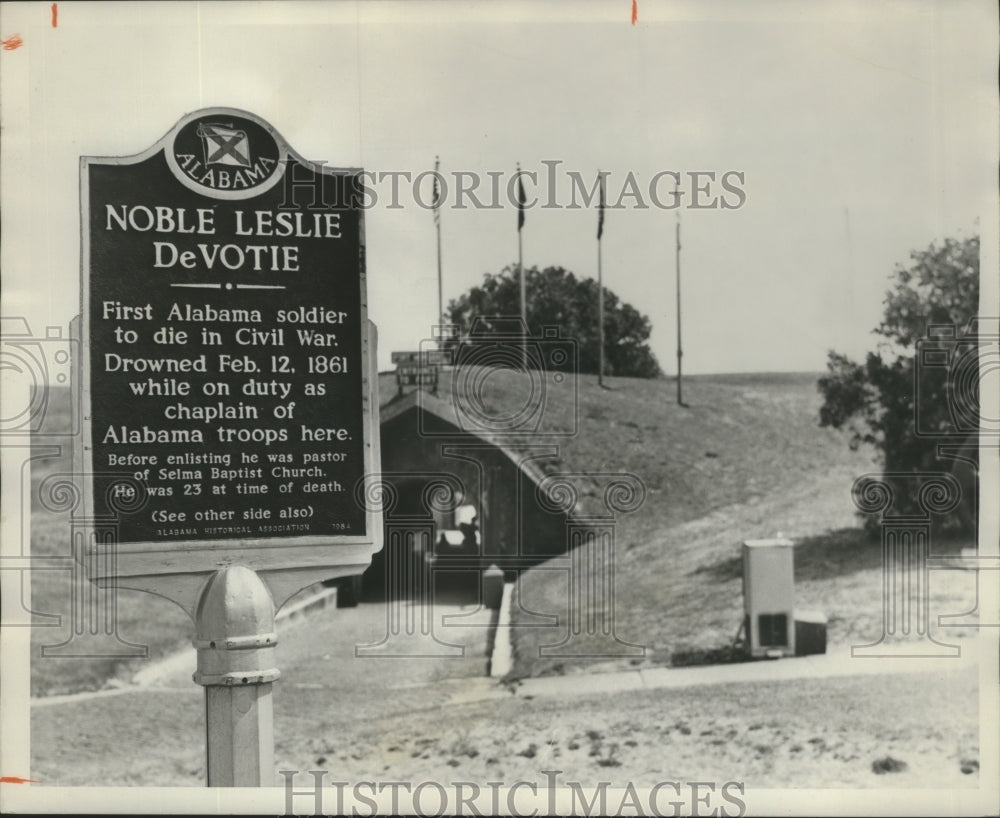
(520, 200)
(600, 207)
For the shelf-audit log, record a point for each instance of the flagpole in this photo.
(680, 353)
(600, 316)
(520, 269)
(440, 285)
(600, 282)
(437, 225)
(524, 309)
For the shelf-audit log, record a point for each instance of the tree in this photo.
(919, 389)
(557, 298)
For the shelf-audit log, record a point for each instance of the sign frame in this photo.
(177, 569)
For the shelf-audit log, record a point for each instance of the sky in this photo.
(862, 132)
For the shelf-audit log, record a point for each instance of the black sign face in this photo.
(224, 316)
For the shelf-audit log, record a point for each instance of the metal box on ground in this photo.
(769, 597)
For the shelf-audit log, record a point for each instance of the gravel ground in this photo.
(813, 733)
(890, 730)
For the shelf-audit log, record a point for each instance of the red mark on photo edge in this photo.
(13, 779)
(635, 11)
(55, 15)
(12, 42)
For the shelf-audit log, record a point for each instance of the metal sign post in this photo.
(229, 397)
(235, 638)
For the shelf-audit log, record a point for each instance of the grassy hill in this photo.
(739, 439)
(745, 458)
(142, 619)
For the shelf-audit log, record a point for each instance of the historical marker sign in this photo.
(226, 357)
(419, 368)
